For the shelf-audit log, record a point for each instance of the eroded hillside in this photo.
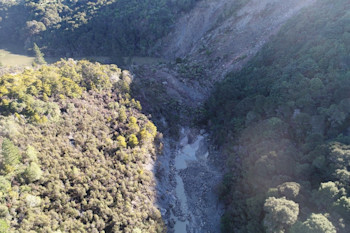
(223, 35)
(111, 185)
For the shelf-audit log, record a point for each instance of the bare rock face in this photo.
(224, 34)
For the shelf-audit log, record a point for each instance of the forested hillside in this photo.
(80, 28)
(75, 151)
(283, 122)
(79, 154)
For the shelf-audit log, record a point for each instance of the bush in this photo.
(3, 226)
(5, 185)
(280, 214)
(32, 172)
(133, 141)
(316, 223)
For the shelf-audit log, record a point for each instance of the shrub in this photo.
(133, 141)
(32, 172)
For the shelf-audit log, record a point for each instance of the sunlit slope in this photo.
(283, 122)
(75, 152)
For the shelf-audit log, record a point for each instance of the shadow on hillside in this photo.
(14, 48)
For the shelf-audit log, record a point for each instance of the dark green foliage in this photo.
(13, 17)
(286, 116)
(326, 194)
(280, 214)
(289, 190)
(316, 223)
(342, 206)
(106, 27)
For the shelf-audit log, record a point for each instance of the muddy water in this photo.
(185, 155)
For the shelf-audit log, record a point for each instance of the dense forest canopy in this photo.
(80, 28)
(284, 124)
(74, 150)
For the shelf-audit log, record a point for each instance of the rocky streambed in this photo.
(187, 181)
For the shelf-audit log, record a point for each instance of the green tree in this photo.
(33, 172)
(280, 214)
(39, 56)
(316, 223)
(326, 194)
(289, 189)
(133, 141)
(342, 205)
(122, 114)
(31, 154)
(4, 226)
(10, 153)
(121, 141)
(133, 127)
(5, 185)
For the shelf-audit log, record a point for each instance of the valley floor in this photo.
(187, 180)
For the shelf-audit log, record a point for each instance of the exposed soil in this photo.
(222, 35)
(187, 180)
(213, 39)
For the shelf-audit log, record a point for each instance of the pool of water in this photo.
(186, 154)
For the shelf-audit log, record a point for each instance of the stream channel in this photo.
(187, 179)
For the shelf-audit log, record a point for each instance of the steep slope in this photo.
(216, 37)
(223, 35)
(86, 28)
(283, 123)
(75, 152)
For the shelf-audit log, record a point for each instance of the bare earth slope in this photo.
(223, 35)
(216, 37)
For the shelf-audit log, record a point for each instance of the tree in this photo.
(145, 136)
(4, 226)
(326, 194)
(151, 128)
(39, 56)
(10, 153)
(133, 141)
(316, 223)
(289, 189)
(33, 172)
(342, 205)
(133, 127)
(121, 141)
(280, 214)
(5, 185)
(122, 114)
(31, 154)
